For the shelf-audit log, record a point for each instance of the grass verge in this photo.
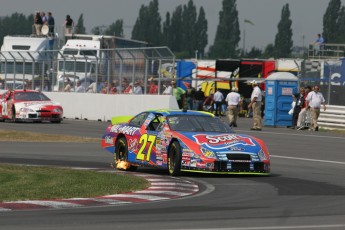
(26, 136)
(31, 183)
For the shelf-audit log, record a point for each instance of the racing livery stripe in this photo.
(161, 188)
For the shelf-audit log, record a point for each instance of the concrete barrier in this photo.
(332, 118)
(104, 106)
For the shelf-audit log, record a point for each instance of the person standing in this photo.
(303, 114)
(137, 88)
(233, 99)
(318, 44)
(69, 24)
(315, 99)
(255, 105)
(51, 23)
(199, 99)
(299, 100)
(178, 92)
(168, 89)
(38, 23)
(218, 98)
(190, 94)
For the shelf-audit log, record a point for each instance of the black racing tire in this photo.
(121, 153)
(174, 159)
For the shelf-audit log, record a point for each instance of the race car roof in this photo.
(166, 112)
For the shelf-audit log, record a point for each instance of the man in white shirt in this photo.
(255, 105)
(79, 88)
(218, 99)
(137, 88)
(168, 89)
(314, 100)
(233, 99)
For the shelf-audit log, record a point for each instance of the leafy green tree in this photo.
(115, 29)
(16, 24)
(139, 29)
(201, 32)
(254, 53)
(176, 26)
(167, 31)
(228, 32)
(148, 25)
(189, 16)
(80, 28)
(341, 28)
(97, 30)
(269, 51)
(330, 21)
(283, 41)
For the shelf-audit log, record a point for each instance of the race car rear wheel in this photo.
(121, 154)
(174, 159)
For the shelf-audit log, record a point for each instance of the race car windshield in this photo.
(30, 96)
(194, 123)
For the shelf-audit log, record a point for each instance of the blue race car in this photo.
(184, 141)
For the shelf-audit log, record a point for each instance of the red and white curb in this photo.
(162, 188)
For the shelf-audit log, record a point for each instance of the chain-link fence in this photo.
(123, 70)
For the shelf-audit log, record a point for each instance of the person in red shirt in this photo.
(153, 88)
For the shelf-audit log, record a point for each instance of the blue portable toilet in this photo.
(184, 69)
(280, 87)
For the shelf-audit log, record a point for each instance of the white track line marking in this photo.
(309, 159)
(279, 227)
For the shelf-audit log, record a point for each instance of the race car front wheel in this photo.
(174, 159)
(121, 155)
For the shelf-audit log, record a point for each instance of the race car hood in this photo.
(223, 142)
(35, 105)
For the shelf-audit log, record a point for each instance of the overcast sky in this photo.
(306, 15)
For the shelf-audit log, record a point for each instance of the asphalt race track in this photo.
(306, 189)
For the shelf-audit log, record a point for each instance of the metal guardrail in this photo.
(333, 118)
(326, 51)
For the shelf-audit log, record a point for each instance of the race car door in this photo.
(147, 153)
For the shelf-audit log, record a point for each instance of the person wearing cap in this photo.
(233, 100)
(255, 105)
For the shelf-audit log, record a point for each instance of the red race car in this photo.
(29, 105)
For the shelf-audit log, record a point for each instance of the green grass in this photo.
(31, 183)
(26, 136)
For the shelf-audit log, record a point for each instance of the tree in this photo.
(80, 28)
(201, 32)
(148, 25)
(97, 30)
(167, 31)
(341, 28)
(254, 53)
(283, 41)
(176, 26)
(16, 24)
(115, 29)
(188, 29)
(269, 51)
(228, 32)
(330, 21)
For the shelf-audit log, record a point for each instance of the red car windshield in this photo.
(30, 96)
